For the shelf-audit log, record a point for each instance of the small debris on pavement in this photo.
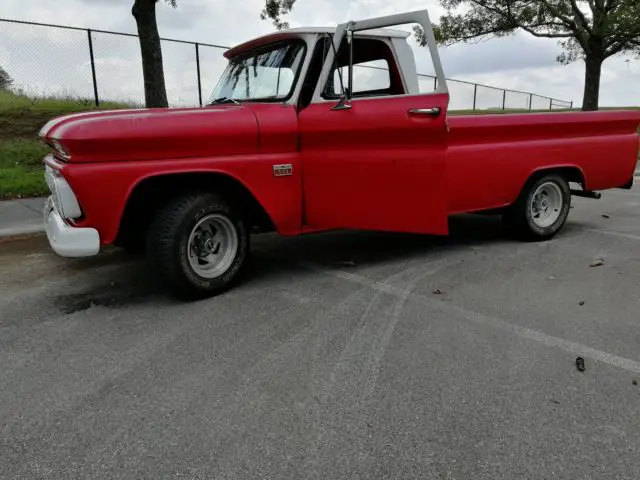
(581, 302)
(597, 263)
(604, 215)
(437, 291)
(555, 401)
(552, 278)
(635, 381)
(347, 263)
(580, 364)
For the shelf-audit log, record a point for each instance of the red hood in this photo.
(145, 134)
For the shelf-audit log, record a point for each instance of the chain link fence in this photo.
(477, 97)
(102, 68)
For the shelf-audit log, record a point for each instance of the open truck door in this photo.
(373, 150)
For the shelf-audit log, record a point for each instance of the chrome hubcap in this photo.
(212, 246)
(546, 204)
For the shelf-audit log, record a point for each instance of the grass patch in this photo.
(21, 168)
(10, 100)
(22, 116)
(21, 151)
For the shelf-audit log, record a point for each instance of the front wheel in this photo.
(541, 209)
(198, 243)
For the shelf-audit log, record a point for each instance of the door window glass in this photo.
(374, 70)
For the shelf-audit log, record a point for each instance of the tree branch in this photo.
(465, 38)
(545, 34)
(571, 24)
(621, 45)
(583, 20)
(608, 6)
(529, 28)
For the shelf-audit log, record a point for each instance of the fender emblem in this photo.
(283, 170)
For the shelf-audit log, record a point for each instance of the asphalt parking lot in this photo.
(344, 355)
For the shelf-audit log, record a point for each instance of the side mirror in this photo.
(343, 104)
(345, 99)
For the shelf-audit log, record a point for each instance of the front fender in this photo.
(103, 189)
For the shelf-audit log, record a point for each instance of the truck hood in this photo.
(145, 134)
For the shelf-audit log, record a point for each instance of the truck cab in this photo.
(356, 91)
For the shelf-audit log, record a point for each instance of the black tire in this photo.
(518, 217)
(168, 237)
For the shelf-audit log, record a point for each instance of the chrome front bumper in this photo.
(68, 241)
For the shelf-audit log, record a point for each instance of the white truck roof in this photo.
(378, 32)
(299, 31)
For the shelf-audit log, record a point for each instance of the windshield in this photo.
(265, 75)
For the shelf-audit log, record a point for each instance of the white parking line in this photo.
(611, 232)
(487, 320)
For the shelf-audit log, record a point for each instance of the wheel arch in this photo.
(571, 173)
(150, 193)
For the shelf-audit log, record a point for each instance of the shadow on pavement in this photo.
(272, 255)
(126, 280)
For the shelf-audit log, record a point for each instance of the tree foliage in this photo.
(5, 79)
(275, 10)
(593, 30)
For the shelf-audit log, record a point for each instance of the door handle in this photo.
(431, 112)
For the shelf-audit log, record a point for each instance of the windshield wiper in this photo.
(221, 100)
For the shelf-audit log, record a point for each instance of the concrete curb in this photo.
(21, 217)
(21, 231)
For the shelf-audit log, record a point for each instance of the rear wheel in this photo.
(198, 243)
(541, 209)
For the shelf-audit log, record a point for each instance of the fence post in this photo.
(550, 104)
(571, 106)
(504, 98)
(93, 69)
(530, 100)
(198, 70)
(475, 93)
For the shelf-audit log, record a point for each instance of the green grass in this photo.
(21, 169)
(11, 100)
(22, 116)
(21, 151)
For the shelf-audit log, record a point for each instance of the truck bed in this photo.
(490, 157)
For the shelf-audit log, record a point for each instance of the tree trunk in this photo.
(593, 68)
(155, 93)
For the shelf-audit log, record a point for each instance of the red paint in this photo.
(375, 166)
(158, 133)
(371, 167)
(490, 157)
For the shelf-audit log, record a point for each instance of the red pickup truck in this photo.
(309, 130)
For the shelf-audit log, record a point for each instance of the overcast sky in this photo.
(48, 60)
